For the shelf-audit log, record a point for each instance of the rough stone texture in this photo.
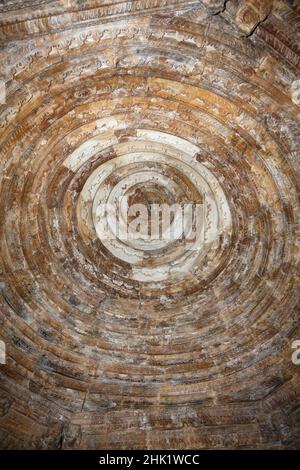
(251, 13)
(107, 349)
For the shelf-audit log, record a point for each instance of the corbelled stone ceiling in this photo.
(113, 345)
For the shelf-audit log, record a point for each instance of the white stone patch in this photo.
(169, 139)
(88, 149)
(295, 92)
(111, 123)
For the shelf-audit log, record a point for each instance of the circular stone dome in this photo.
(114, 341)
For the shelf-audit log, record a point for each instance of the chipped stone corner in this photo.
(251, 13)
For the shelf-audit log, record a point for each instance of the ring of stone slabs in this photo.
(153, 149)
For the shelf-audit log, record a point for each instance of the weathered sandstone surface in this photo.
(112, 346)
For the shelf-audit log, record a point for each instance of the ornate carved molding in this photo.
(17, 23)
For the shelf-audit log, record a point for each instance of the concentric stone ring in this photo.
(157, 340)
